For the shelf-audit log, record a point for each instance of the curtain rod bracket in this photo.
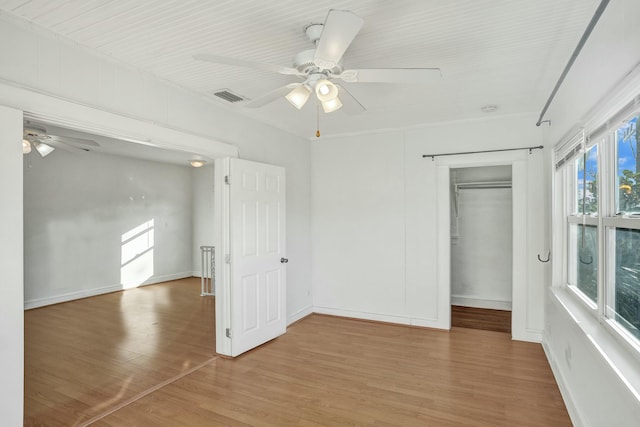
(543, 121)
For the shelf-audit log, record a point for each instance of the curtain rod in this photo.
(574, 55)
(433, 156)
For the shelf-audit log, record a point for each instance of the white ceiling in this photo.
(503, 52)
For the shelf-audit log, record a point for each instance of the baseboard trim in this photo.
(299, 315)
(562, 385)
(528, 335)
(480, 303)
(86, 293)
(377, 317)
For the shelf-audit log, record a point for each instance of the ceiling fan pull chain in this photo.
(317, 120)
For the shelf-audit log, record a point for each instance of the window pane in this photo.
(584, 259)
(587, 180)
(628, 164)
(627, 280)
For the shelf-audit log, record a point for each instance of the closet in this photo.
(481, 247)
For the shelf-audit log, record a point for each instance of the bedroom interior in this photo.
(331, 170)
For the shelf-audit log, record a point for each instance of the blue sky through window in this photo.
(588, 175)
(626, 137)
(628, 174)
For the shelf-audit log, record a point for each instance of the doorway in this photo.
(481, 247)
(103, 221)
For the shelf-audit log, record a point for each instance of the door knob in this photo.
(284, 260)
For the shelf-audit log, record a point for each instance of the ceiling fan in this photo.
(45, 144)
(319, 67)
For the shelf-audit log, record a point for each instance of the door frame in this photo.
(222, 239)
(519, 178)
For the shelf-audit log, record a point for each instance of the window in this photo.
(625, 305)
(584, 254)
(623, 302)
(601, 195)
(587, 168)
(583, 226)
(628, 168)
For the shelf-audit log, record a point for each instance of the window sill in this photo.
(619, 354)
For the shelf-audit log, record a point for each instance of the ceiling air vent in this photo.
(229, 96)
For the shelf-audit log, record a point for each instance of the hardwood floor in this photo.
(335, 371)
(83, 357)
(481, 318)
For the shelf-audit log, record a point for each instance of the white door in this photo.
(258, 254)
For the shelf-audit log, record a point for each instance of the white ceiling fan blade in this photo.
(350, 104)
(66, 147)
(79, 142)
(271, 96)
(391, 75)
(338, 31)
(217, 59)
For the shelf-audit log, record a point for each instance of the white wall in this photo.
(588, 363)
(375, 220)
(61, 83)
(11, 314)
(202, 214)
(97, 223)
(481, 241)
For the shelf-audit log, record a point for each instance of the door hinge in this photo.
(227, 180)
(228, 332)
(227, 258)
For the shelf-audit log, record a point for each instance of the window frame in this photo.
(606, 220)
(572, 216)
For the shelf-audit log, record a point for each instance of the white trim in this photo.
(528, 335)
(622, 222)
(443, 240)
(619, 357)
(613, 101)
(480, 302)
(223, 270)
(565, 390)
(85, 293)
(47, 107)
(300, 314)
(518, 161)
(379, 317)
(583, 220)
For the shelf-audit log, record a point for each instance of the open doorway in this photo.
(111, 244)
(481, 247)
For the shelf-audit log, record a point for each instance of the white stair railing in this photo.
(208, 277)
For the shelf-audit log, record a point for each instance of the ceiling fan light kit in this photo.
(26, 147)
(299, 96)
(43, 149)
(318, 68)
(325, 90)
(44, 143)
(331, 105)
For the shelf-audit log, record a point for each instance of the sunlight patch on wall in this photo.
(137, 255)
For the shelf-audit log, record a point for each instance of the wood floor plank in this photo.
(481, 318)
(333, 371)
(86, 356)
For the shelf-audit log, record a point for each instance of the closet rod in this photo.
(433, 156)
(482, 185)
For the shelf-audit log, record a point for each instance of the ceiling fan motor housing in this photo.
(304, 63)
